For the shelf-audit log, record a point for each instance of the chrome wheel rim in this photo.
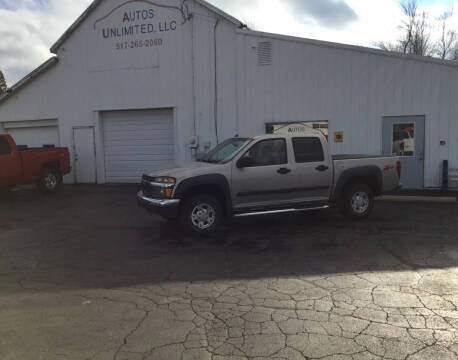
(360, 202)
(50, 181)
(203, 216)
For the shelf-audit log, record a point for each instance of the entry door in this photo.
(405, 137)
(268, 181)
(84, 150)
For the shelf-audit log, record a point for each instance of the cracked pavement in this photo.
(86, 274)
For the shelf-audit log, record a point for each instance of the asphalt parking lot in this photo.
(86, 274)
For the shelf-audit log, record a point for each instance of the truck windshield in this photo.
(225, 151)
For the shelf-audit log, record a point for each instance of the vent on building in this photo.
(264, 53)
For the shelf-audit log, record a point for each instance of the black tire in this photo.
(50, 180)
(201, 214)
(357, 202)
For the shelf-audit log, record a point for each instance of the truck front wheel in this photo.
(201, 214)
(357, 202)
(49, 180)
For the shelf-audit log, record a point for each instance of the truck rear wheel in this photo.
(357, 202)
(201, 214)
(49, 180)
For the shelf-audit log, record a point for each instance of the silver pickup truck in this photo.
(268, 174)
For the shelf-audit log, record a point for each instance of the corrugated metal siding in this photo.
(35, 136)
(353, 90)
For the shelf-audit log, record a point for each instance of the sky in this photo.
(28, 28)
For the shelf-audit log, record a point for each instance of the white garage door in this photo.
(136, 142)
(35, 136)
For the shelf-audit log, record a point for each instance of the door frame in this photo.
(75, 163)
(404, 122)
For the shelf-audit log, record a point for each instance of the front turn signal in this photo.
(169, 192)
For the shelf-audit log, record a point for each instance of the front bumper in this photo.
(165, 208)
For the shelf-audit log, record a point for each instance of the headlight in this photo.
(168, 183)
(164, 180)
(160, 187)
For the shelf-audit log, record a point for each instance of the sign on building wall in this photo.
(130, 34)
(339, 137)
(299, 128)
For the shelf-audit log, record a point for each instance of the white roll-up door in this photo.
(34, 133)
(136, 142)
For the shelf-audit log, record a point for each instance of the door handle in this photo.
(283, 171)
(322, 168)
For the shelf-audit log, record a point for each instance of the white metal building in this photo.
(137, 85)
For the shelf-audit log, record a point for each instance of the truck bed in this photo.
(387, 166)
(25, 165)
(33, 159)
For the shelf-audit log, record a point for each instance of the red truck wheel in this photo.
(50, 180)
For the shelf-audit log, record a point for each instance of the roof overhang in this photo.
(75, 25)
(96, 3)
(30, 77)
(220, 12)
(361, 49)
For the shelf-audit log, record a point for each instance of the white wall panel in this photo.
(35, 136)
(351, 88)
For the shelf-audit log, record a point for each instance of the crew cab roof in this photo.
(276, 136)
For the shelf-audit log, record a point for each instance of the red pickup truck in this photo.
(42, 166)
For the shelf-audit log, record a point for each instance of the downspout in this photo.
(193, 65)
(193, 78)
(216, 81)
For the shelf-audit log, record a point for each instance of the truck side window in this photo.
(268, 153)
(308, 150)
(4, 146)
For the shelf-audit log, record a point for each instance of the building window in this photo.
(308, 150)
(4, 146)
(404, 139)
(299, 128)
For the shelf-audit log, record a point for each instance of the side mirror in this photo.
(245, 162)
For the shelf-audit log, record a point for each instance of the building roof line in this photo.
(356, 48)
(96, 3)
(74, 26)
(220, 12)
(29, 77)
